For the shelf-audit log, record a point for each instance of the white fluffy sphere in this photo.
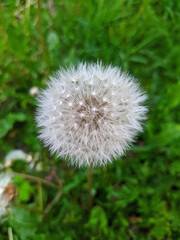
(5, 180)
(90, 114)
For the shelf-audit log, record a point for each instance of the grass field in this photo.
(138, 196)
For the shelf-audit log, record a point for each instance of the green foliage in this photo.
(25, 190)
(8, 122)
(98, 220)
(136, 197)
(25, 224)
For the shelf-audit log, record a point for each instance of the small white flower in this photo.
(33, 91)
(90, 114)
(5, 180)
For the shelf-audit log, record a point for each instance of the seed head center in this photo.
(91, 113)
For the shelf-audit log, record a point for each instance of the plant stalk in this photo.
(10, 233)
(37, 179)
(89, 181)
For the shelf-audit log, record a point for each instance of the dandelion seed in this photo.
(34, 91)
(105, 116)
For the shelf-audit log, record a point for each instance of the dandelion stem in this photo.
(37, 179)
(40, 197)
(39, 182)
(41, 37)
(53, 202)
(34, 210)
(57, 197)
(89, 180)
(10, 233)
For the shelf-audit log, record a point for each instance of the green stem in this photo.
(39, 182)
(52, 203)
(40, 193)
(37, 179)
(29, 209)
(40, 197)
(89, 181)
(10, 233)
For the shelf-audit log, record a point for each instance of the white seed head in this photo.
(5, 180)
(101, 113)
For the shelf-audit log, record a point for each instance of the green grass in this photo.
(138, 196)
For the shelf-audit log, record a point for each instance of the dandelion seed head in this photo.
(5, 182)
(98, 112)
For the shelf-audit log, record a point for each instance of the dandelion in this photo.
(90, 114)
(8, 192)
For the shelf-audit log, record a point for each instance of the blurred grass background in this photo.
(135, 198)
